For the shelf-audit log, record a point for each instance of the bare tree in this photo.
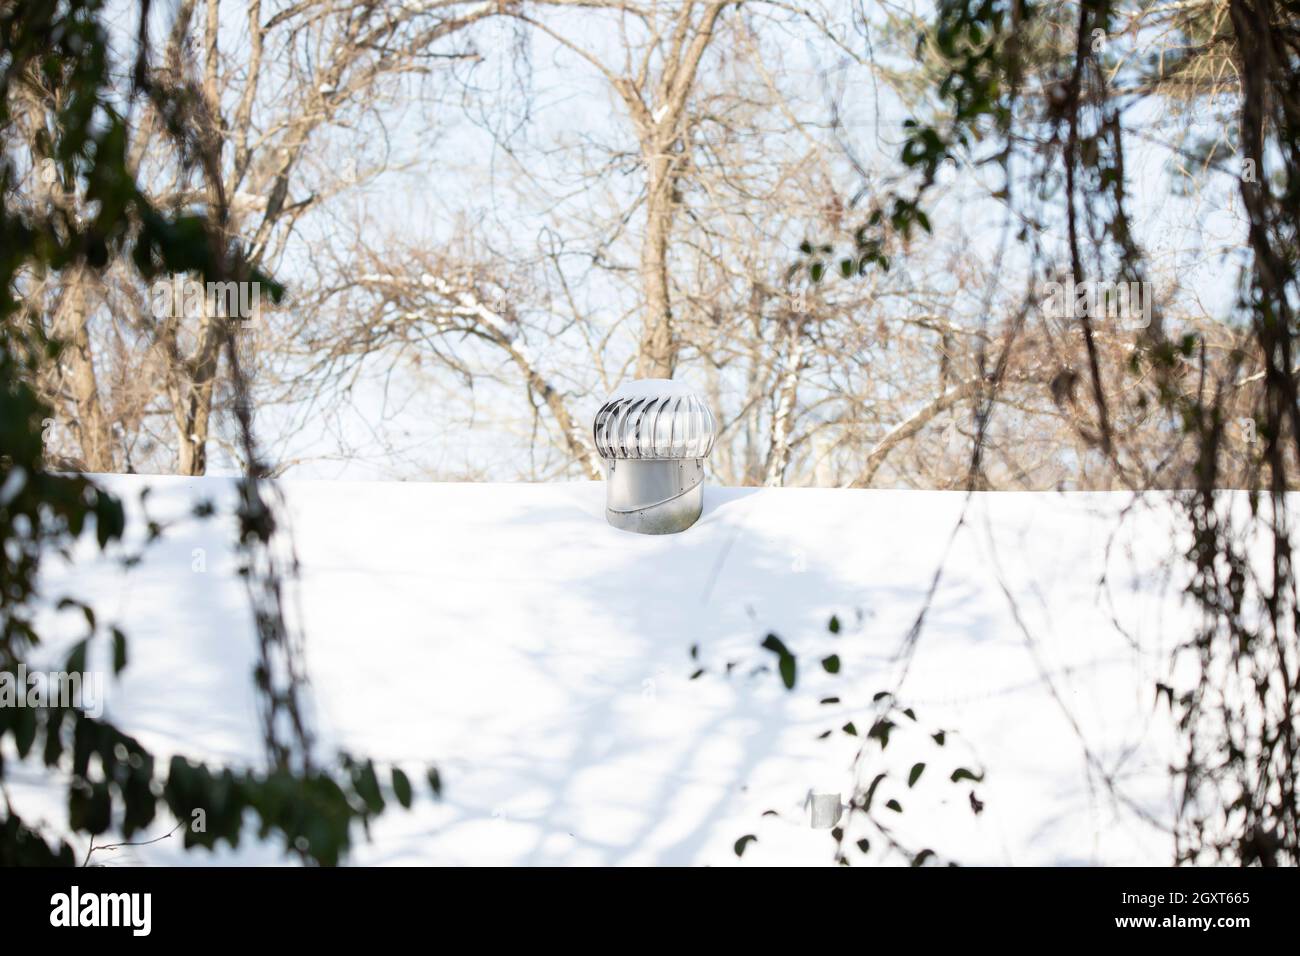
(269, 99)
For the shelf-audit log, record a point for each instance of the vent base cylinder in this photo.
(654, 496)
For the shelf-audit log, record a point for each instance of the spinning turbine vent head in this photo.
(654, 435)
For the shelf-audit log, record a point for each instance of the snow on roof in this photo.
(543, 660)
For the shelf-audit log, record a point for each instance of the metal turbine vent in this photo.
(654, 435)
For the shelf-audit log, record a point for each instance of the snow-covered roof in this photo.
(544, 661)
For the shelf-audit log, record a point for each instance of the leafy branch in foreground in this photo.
(1052, 97)
(56, 55)
(880, 788)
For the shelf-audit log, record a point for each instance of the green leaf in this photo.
(871, 791)
(53, 738)
(76, 663)
(402, 788)
(743, 842)
(110, 519)
(831, 664)
(785, 660)
(864, 845)
(915, 775)
(833, 625)
(961, 773)
(435, 781)
(90, 808)
(895, 806)
(119, 651)
(24, 727)
(939, 737)
(367, 786)
(850, 728)
(880, 731)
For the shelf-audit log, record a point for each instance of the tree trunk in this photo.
(787, 395)
(192, 400)
(77, 375)
(658, 354)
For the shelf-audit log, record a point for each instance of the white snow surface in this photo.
(542, 660)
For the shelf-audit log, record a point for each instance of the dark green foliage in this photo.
(743, 842)
(886, 717)
(113, 782)
(785, 660)
(1065, 127)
